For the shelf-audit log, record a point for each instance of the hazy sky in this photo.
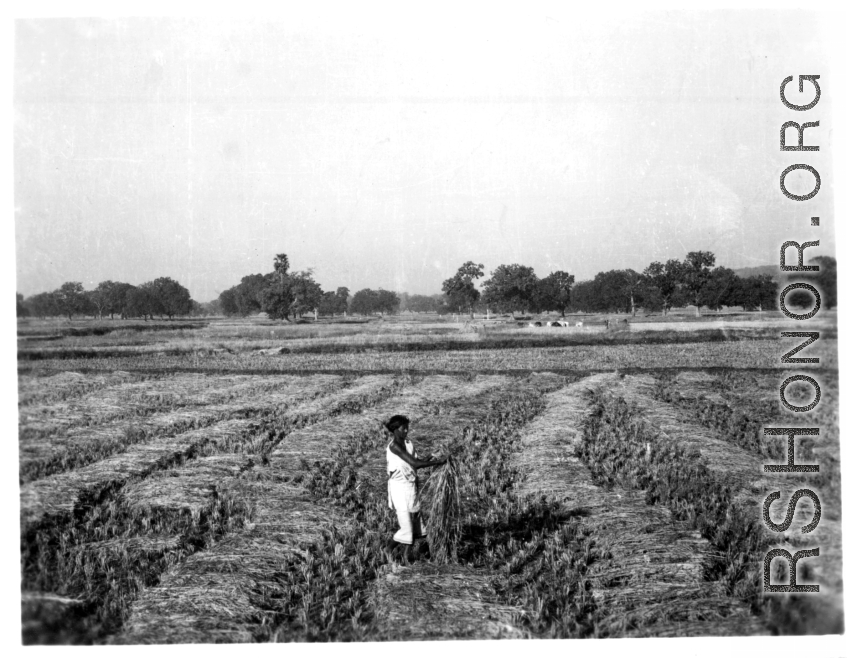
(388, 157)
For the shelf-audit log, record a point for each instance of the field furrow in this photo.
(643, 558)
(739, 418)
(728, 503)
(135, 399)
(68, 385)
(242, 589)
(465, 600)
(736, 467)
(137, 530)
(41, 457)
(219, 463)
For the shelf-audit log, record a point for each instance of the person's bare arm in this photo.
(414, 462)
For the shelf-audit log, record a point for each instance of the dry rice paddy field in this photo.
(224, 482)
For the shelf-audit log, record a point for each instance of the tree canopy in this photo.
(511, 288)
(459, 289)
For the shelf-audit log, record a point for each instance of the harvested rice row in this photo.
(59, 494)
(355, 480)
(135, 399)
(738, 415)
(468, 596)
(218, 463)
(67, 385)
(729, 463)
(732, 511)
(200, 483)
(643, 557)
(231, 592)
(104, 555)
(82, 446)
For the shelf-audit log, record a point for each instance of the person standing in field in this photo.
(403, 463)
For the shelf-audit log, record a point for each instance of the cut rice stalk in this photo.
(441, 500)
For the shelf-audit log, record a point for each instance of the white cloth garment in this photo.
(411, 527)
(402, 481)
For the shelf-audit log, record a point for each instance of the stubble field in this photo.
(225, 482)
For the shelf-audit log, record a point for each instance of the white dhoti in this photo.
(403, 497)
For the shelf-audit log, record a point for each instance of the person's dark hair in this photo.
(396, 422)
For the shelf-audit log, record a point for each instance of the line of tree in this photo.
(287, 295)
(694, 281)
(163, 297)
(284, 294)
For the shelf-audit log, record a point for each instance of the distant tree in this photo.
(554, 291)
(248, 293)
(140, 302)
(651, 299)
(696, 271)
(387, 301)
(364, 302)
(228, 303)
(170, 297)
(634, 285)
(334, 302)
(281, 265)
(721, 289)
(613, 291)
(117, 301)
(277, 296)
(826, 280)
(21, 311)
(276, 302)
(755, 293)
(666, 278)
(43, 305)
(71, 299)
(459, 288)
(306, 292)
(102, 297)
(342, 299)
(328, 303)
(582, 296)
(511, 288)
(423, 303)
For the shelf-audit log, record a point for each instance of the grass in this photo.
(758, 354)
(734, 424)
(395, 342)
(620, 447)
(741, 422)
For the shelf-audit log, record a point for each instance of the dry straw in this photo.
(442, 502)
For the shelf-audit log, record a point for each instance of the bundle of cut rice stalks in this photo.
(441, 502)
